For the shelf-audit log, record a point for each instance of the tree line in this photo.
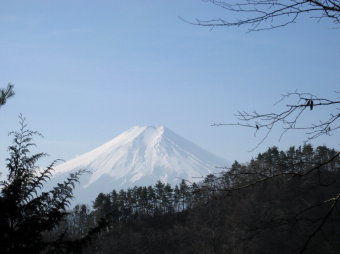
(235, 211)
(280, 201)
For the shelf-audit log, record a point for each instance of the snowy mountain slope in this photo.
(139, 156)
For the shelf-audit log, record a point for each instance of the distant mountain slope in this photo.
(139, 156)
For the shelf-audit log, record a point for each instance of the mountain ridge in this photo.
(140, 156)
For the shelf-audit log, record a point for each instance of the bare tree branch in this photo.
(310, 237)
(270, 14)
(289, 118)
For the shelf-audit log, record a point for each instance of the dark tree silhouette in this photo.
(290, 119)
(278, 201)
(6, 94)
(26, 212)
(269, 14)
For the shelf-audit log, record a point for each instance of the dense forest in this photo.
(279, 202)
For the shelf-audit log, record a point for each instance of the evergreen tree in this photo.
(160, 197)
(115, 213)
(152, 202)
(26, 212)
(6, 94)
(168, 199)
(102, 206)
(177, 196)
(184, 192)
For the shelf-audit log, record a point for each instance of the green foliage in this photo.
(27, 212)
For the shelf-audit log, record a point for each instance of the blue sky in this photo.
(85, 71)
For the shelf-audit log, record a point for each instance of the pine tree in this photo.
(6, 93)
(184, 193)
(102, 206)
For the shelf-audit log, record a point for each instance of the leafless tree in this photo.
(269, 14)
(289, 118)
(265, 15)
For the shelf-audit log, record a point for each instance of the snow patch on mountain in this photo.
(141, 155)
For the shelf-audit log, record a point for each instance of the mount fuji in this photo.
(139, 156)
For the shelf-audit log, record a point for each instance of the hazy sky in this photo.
(85, 71)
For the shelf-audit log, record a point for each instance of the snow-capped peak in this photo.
(141, 155)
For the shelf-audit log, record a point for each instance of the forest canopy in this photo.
(226, 213)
